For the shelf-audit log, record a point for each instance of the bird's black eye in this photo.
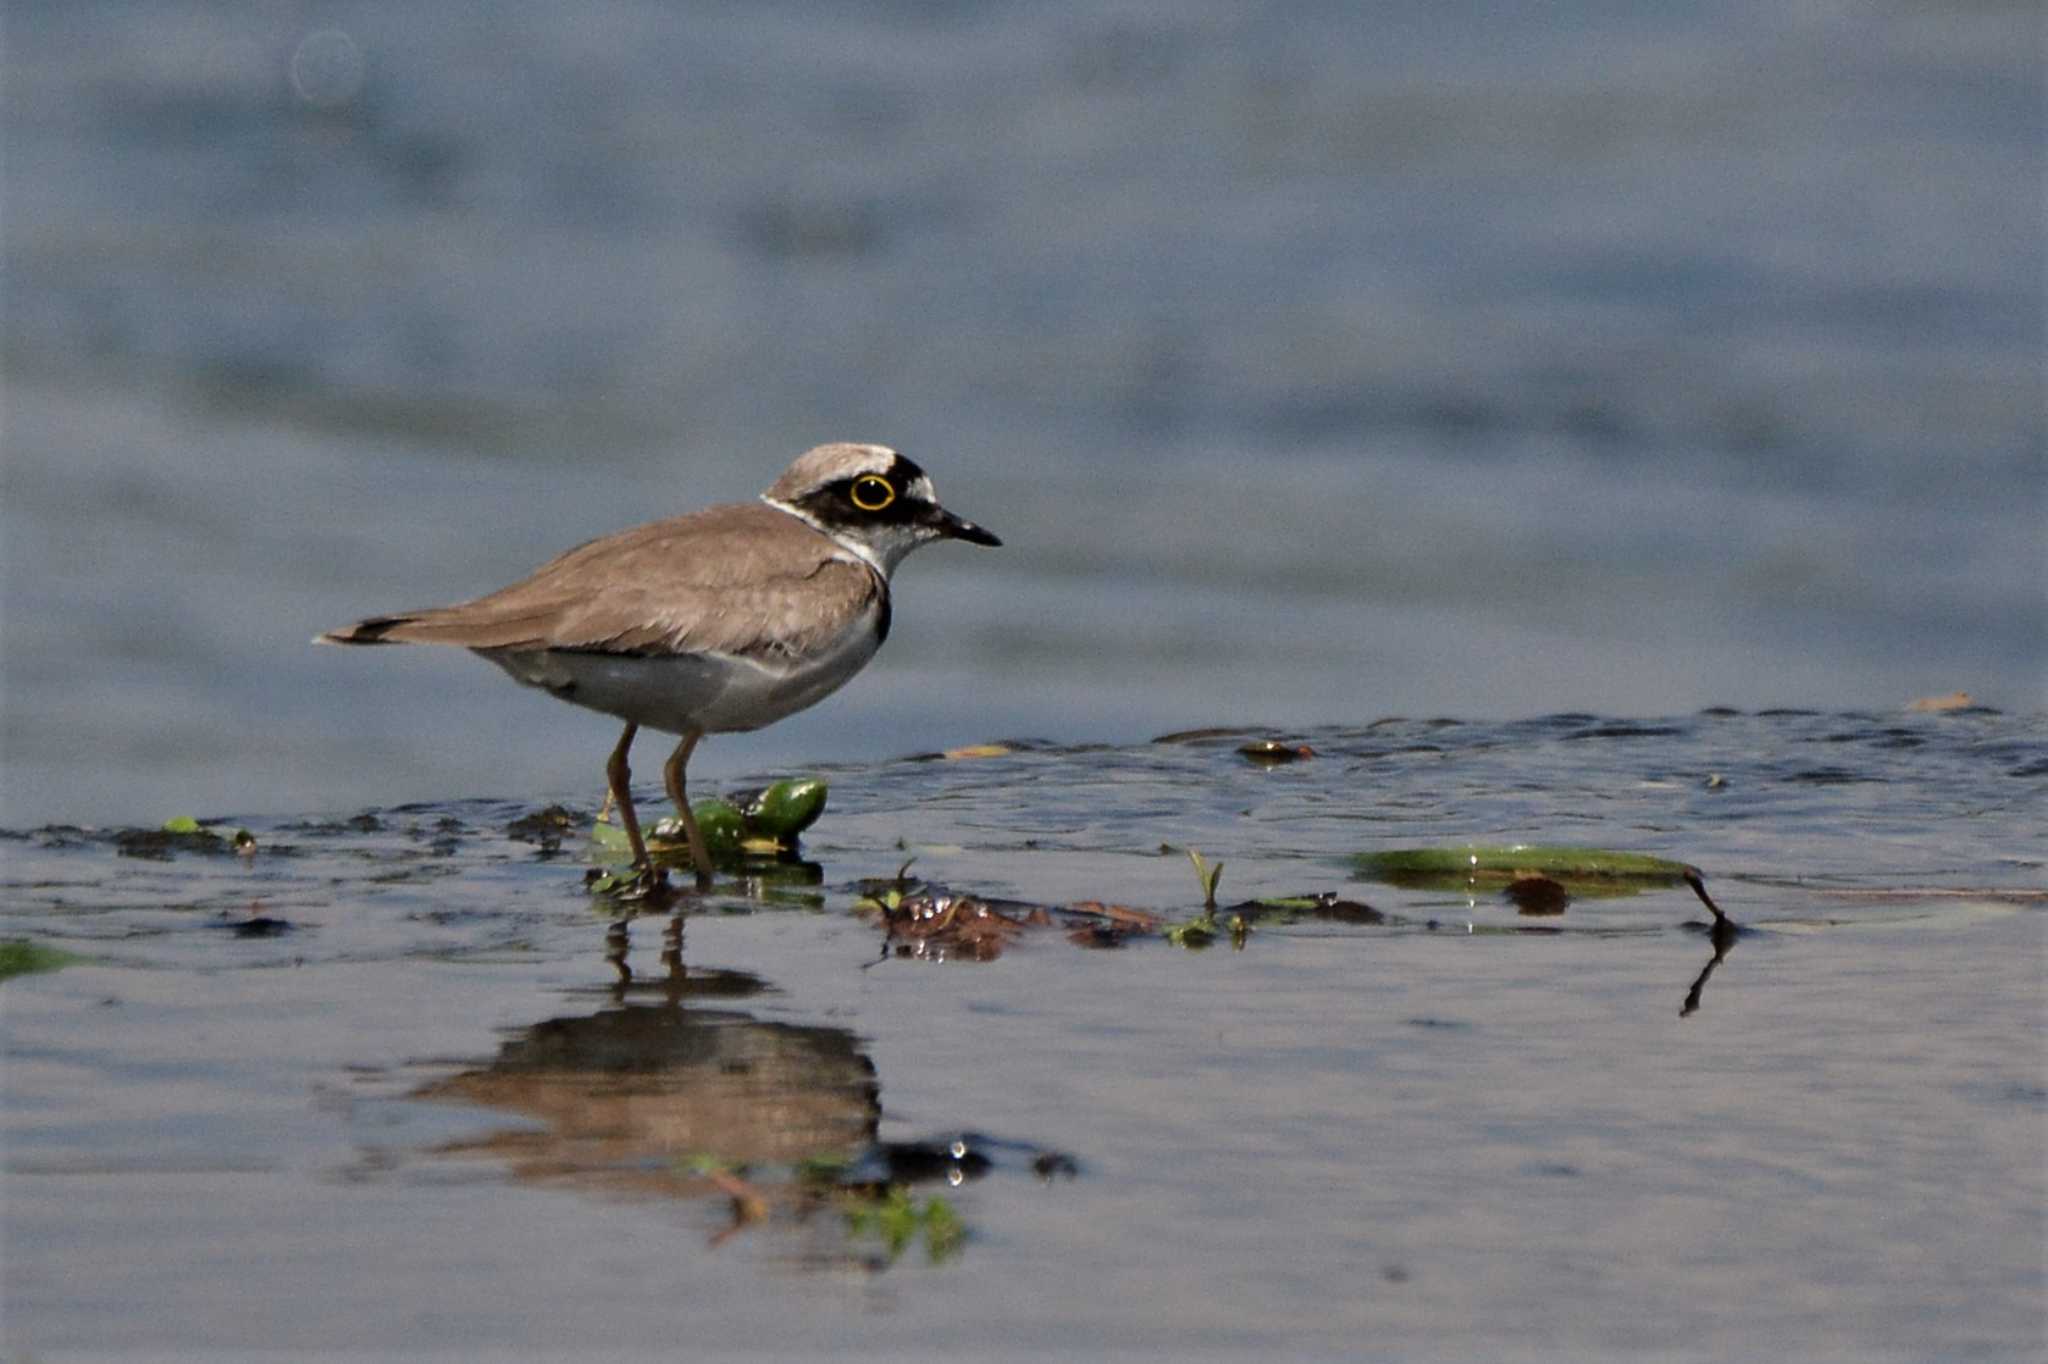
(872, 492)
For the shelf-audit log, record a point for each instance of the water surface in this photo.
(434, 1114)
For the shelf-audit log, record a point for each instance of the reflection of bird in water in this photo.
(678, 1102)
(628, 1098)
(1722, 935)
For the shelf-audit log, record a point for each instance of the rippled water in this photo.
(396, 1082)
(1437, 358)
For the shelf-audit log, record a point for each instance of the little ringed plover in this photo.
(720, 620)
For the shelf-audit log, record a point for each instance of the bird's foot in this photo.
(648, 884)
(651, 882)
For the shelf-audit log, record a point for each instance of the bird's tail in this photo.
(483, 624)
(375, 630)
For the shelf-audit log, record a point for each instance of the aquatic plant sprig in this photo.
(1208, 873)
(1199, 932)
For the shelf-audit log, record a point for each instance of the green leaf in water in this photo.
(182, 824)
(610, 837)
(1586, 869)
(1272, 752)
(787, 808)
(20, 957)
(611, 883)
(721, 823)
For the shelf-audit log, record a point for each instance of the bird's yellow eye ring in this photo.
(872, 492)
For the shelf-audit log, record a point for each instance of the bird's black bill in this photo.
(956, 528)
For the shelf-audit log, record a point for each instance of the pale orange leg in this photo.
(673, 775)
(618, 775)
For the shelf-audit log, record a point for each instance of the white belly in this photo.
(678, 693)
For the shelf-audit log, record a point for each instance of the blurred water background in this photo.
(1317, 364)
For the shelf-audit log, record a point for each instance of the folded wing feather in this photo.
(746, 580)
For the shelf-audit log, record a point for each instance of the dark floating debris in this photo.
(934, 923)
(1273, 752)
(940, 923)
(182, 834)
(365, 823)
(1537, 896)
(254, 926)
(1698, 883)
(1328, 906)
(1831, 776)
(954, 1158)
(1624, 729)
(545, 827)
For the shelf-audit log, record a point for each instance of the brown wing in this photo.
(745, 580)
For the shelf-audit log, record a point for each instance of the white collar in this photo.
(858, 548)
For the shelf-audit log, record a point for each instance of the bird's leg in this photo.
(673, 775)
(617, 775)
